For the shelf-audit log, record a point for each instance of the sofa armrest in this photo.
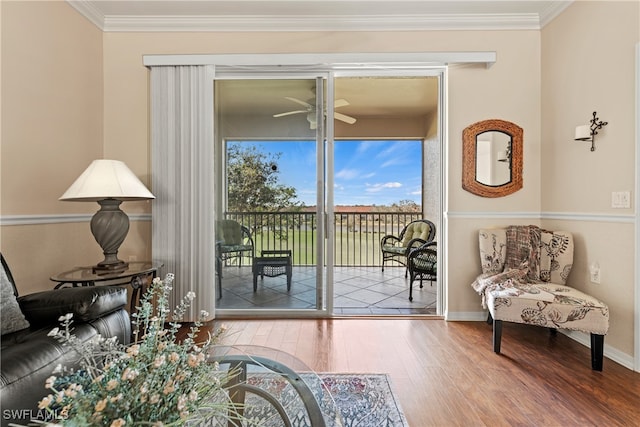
(86, 303)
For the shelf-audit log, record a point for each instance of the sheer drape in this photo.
(182, 180)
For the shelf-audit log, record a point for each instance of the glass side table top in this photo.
(277, 388)
(86, 274)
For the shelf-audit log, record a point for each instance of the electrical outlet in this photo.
(594, 271)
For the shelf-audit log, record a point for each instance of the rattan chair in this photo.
(412, 236)
(423, 265)
(233, 241)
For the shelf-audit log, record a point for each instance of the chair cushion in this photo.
(548, 305)
(235, 248)
(416, 230)
(556, 256)
(493, 252)
(229, 232)
(425, 263)
(395, 249)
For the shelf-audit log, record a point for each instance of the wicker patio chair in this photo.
(412, 236)
(423, 265)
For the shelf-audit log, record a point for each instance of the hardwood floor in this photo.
(446, 374)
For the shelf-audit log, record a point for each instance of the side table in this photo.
(272, 263)
(139, 275)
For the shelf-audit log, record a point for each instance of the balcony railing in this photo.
(357, 234)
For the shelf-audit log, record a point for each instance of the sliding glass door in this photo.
(310, 198)
(270, 234)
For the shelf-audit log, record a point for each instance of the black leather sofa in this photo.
(29, 356)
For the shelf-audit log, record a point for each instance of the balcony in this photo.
(360, 287)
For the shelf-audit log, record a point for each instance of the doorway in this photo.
(377, 156)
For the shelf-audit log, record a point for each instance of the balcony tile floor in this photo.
(358, 291)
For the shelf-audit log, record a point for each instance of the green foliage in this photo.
(253, 184)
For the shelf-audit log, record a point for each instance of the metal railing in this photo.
(357, 234)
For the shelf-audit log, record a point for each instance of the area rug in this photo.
(346, 400)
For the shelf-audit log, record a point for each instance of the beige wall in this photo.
(588, 64)
(95, 103)
(52, 128)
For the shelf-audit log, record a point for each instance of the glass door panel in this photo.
(269, 230)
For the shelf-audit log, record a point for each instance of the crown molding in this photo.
(255, 23)
(552, 11)
(89, 11)
(350, 22)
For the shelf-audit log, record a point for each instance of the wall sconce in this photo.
(588, 132)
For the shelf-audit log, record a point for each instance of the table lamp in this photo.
(108, 182)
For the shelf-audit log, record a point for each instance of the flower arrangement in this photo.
(154, 381)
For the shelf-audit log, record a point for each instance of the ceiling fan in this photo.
(310, 111)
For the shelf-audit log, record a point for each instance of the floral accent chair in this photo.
(524, 275)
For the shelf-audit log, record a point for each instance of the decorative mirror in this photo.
(492, 158)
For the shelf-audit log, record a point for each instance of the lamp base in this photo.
(102, 269)
(110, 226)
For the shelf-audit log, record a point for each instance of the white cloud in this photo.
(374, 188)
(347, 174)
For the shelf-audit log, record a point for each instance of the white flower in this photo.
(204, 314)
(45, 402)
(182, 402)
(191, 295)
(65, 317)
(50, 382)
(53, 333)
(99, 407)
(159, 361)
(129, 374)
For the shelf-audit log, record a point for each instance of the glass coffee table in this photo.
(276, 388)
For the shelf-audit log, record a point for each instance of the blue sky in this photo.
(367, 172)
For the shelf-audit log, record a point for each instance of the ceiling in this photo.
(317, 15)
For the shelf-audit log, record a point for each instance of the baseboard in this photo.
(465, 316)
(612, 353)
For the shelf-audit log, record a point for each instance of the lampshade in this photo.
(583, 133)
(107, 179)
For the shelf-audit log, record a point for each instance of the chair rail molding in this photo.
(59, 218)
(562, 216)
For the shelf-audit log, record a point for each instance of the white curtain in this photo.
(182, 180)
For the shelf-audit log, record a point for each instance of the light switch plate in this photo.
(621, 199)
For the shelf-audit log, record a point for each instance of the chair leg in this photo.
(597, 351)
(489, 319)
(497, 335)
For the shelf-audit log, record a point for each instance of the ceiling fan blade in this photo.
(288, 113)
(297, 101)
(344, 118)
(340, 103)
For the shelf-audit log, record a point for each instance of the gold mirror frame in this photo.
(469, 150)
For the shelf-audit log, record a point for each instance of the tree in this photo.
(253, 181)
(405, 206)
